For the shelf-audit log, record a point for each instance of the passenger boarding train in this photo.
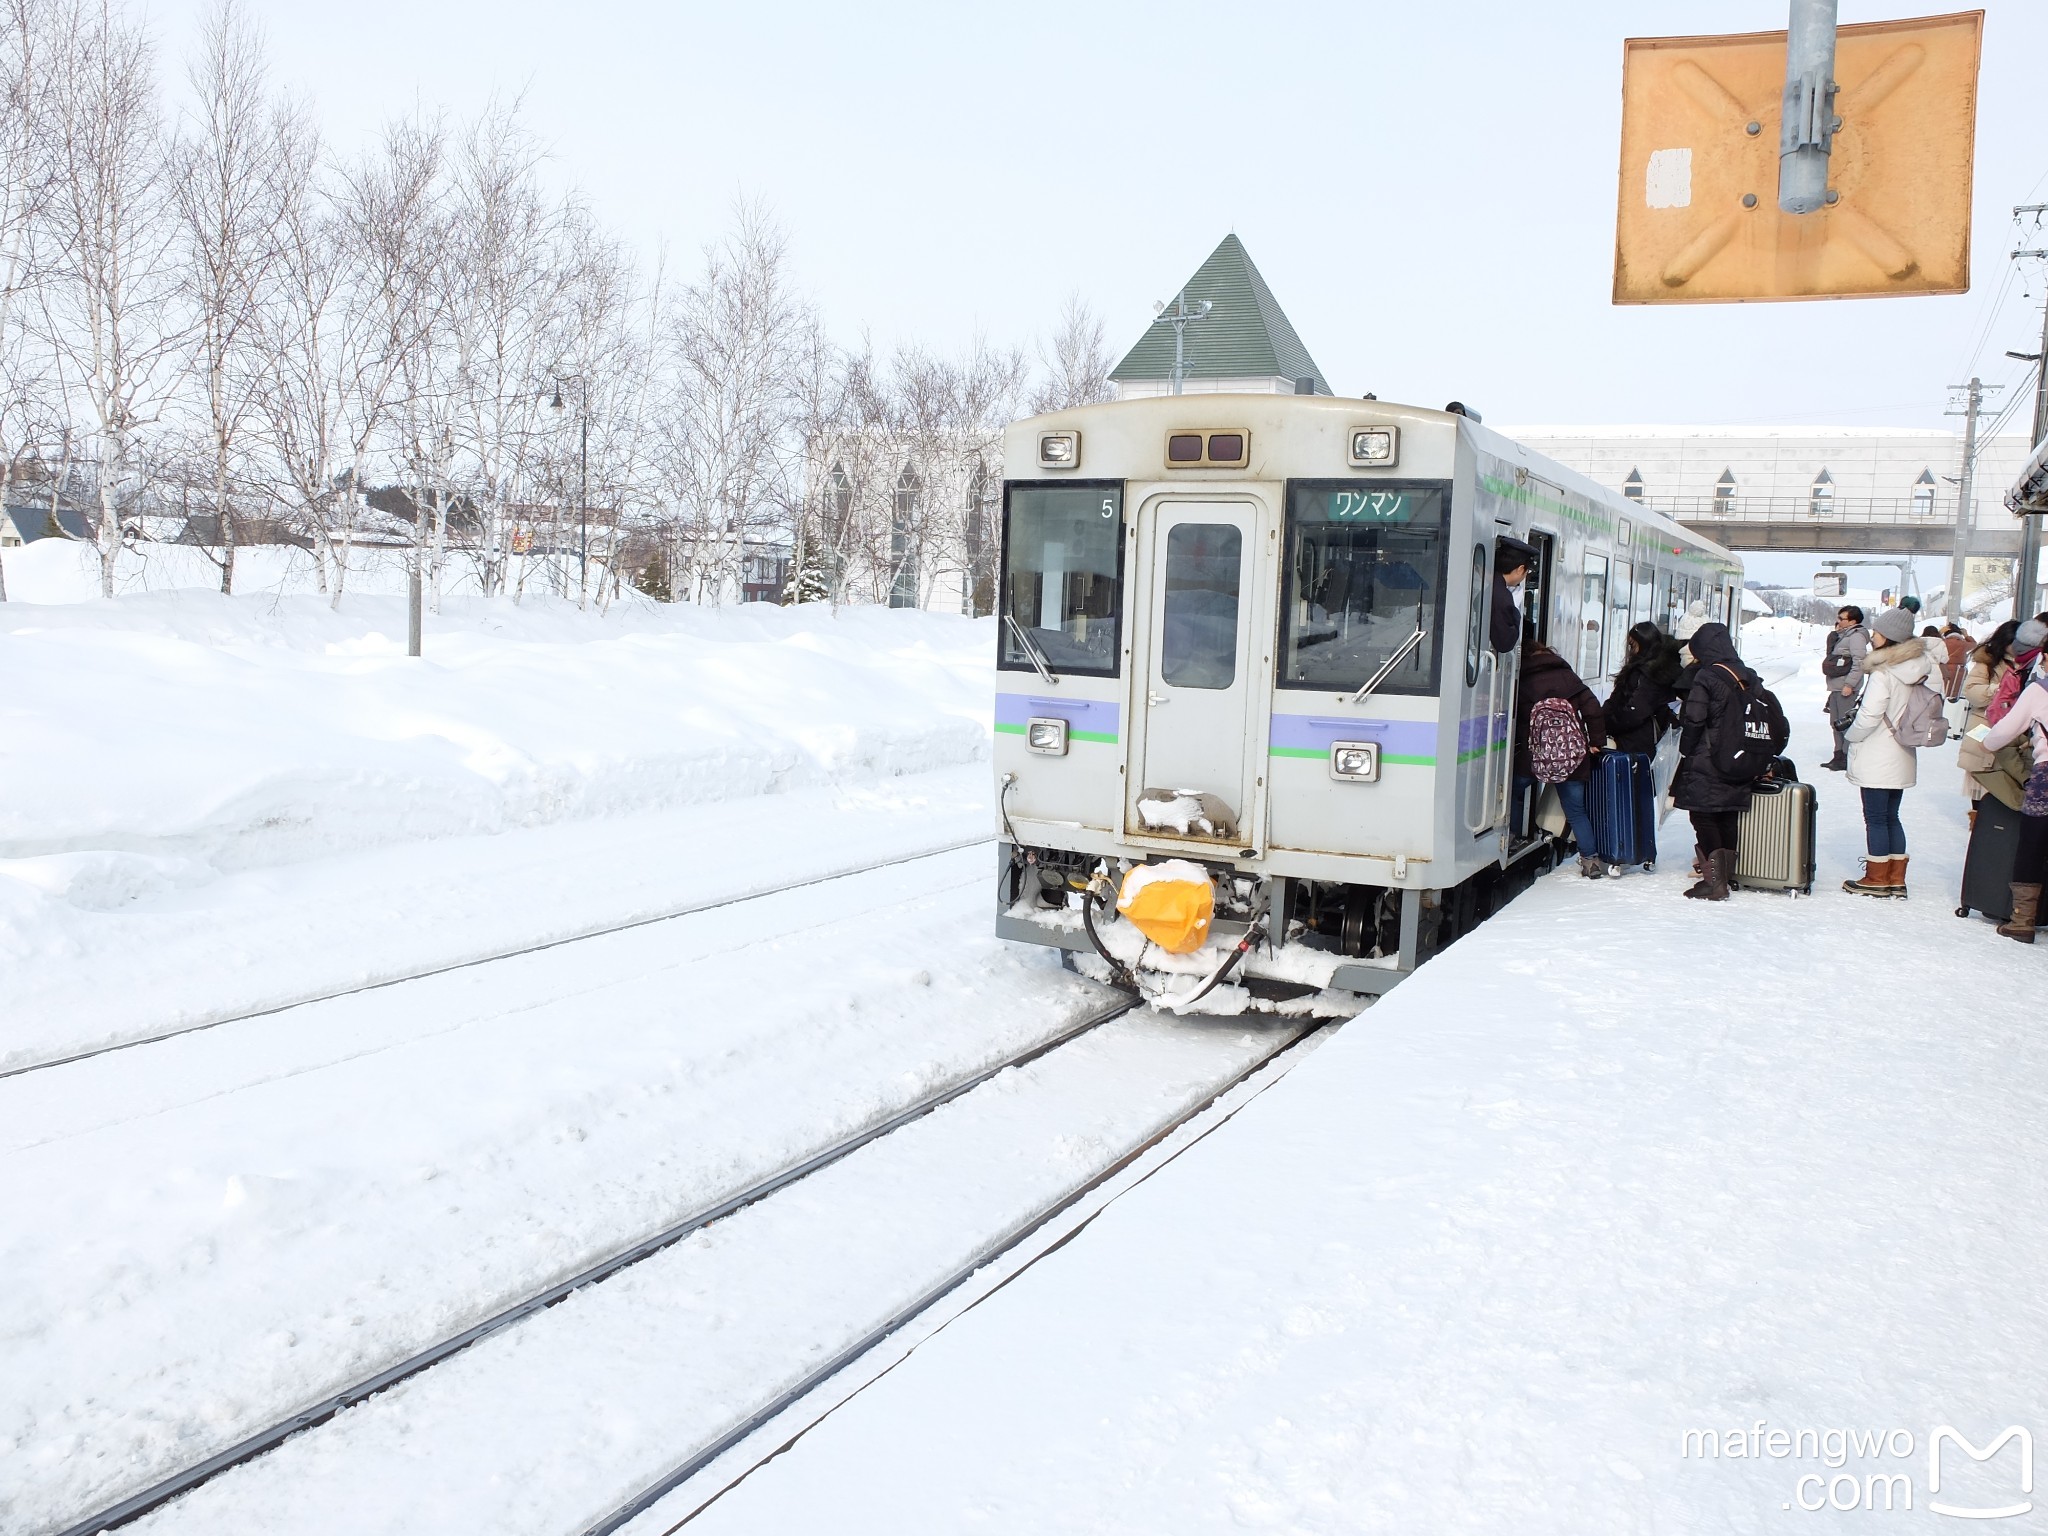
(1250, 631)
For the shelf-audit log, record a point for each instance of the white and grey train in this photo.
(1251, 632)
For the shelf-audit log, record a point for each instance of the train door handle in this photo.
(1155, 700)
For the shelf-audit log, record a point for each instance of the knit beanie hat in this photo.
(2030, 636)
(1895, 624)
(1689, 622)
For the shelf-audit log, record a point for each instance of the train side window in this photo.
(1482, 611)
(1063, 551)
(1592, 616)
(1617, 614)
(1646, 592)
(1536, 602)
(1198, 628)
(1365, 567)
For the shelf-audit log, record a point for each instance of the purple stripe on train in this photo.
(1474, 734)
(1096, 716)
(1314, 733)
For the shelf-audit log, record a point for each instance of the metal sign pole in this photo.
(1806, 130)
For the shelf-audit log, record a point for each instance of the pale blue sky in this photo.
(1432, 203)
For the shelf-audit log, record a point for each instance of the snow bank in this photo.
(1618, 1167)
(164, 738)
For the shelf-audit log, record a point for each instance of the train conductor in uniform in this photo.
(1511, 559)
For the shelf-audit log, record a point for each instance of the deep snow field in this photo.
(209, 805)
(1616, 1167)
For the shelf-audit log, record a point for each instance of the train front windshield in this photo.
(1063, 577)
(1365, 573)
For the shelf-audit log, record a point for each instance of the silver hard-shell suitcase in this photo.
(1774, 841)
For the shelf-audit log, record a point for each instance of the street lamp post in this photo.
(582, 479)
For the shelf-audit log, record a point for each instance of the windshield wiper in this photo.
(1031, 650)
(1392, 662)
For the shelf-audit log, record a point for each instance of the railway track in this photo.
(1023, 1245)
(310, 1416)
(644, 920)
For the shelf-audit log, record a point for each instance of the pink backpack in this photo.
(1557, 740)
(2008, 695)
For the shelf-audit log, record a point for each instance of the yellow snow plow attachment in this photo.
(1170, 903)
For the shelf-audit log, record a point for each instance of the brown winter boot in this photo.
(1874, 881)
(2026, 906)
(1713, 884)
(1897, 878)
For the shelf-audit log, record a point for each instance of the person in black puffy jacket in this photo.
(1640, 706)
(1715, 804)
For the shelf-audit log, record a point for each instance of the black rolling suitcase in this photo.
(1987, 866)
(1774, 840)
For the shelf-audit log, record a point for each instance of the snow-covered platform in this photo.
(1618, 1169)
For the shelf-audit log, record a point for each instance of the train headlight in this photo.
(1356, 762)
(1059, 450)
(1046, 735)
(1375, 447)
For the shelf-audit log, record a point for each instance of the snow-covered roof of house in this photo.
(35, 522)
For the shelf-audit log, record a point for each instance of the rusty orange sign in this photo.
(1698, 218)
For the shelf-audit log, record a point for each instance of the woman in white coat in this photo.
(1880, 765)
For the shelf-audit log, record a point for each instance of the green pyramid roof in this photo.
(1244, 335)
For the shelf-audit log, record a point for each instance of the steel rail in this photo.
(1015, 1237)
(157, 1494)
(646, 920)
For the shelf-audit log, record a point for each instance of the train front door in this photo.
(1187, 777)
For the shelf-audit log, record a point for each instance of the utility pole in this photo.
(1179, 317)
(2026, 579)
(1966, 491)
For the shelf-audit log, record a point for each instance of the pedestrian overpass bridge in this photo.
(1829, 526)
(1840, 527)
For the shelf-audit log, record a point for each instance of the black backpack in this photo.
(1753, 732)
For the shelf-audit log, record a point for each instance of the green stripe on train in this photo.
(1478, 752)
(1104, 736)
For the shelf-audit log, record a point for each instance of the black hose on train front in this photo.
(1252, 935)
(1120, 975)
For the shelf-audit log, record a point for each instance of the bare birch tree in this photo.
(112, 302)
(393, 207)
(735, 341)
(228, 180)
(28, 42)
(1076, 361)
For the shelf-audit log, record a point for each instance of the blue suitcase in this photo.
(1623, 800)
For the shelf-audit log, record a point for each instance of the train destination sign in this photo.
(1371, 506)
